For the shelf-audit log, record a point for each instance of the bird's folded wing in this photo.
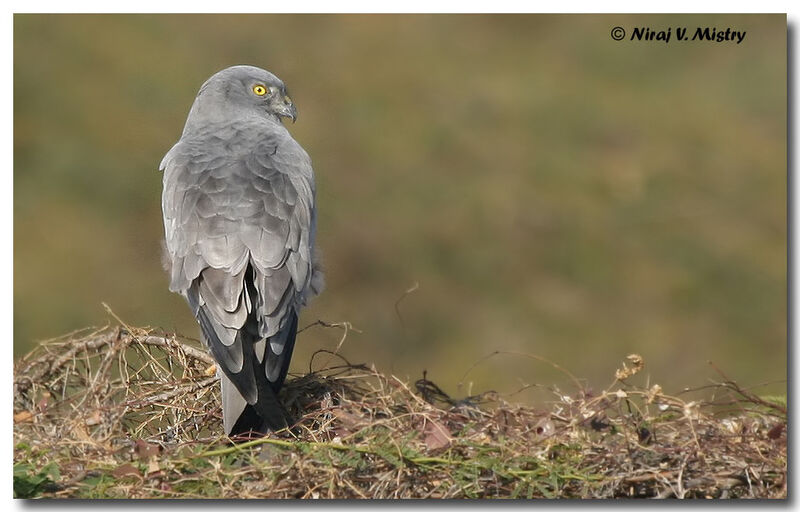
(223, 216)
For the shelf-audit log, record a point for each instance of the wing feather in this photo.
(239, 225)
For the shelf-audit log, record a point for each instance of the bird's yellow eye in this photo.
(260, 90)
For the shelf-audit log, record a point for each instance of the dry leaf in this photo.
(776, 431)
(23, 416)
(437, 436)
(145, 450)
(126, 470)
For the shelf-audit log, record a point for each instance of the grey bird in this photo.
(240, 223)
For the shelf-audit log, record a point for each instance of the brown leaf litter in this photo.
(125, 412)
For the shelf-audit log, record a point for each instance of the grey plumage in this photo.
(240, 222)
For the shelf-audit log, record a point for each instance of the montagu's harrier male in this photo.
(239, 222)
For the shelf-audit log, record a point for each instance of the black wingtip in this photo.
(251, 425)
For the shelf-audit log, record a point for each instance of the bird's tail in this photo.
(239, 417)
(264, 412)
(275, 366)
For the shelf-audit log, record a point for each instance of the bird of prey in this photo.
(239, 223)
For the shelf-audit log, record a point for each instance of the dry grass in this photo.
(131, 413)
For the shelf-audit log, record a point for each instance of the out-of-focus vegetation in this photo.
(552, 191)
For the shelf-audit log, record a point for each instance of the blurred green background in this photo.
(552, 191)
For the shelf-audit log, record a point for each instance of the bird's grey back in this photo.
(240, 193)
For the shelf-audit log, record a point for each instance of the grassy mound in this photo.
(122, 412)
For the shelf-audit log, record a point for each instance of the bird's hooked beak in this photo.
(287, 109)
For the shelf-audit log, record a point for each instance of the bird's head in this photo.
(242, 91)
